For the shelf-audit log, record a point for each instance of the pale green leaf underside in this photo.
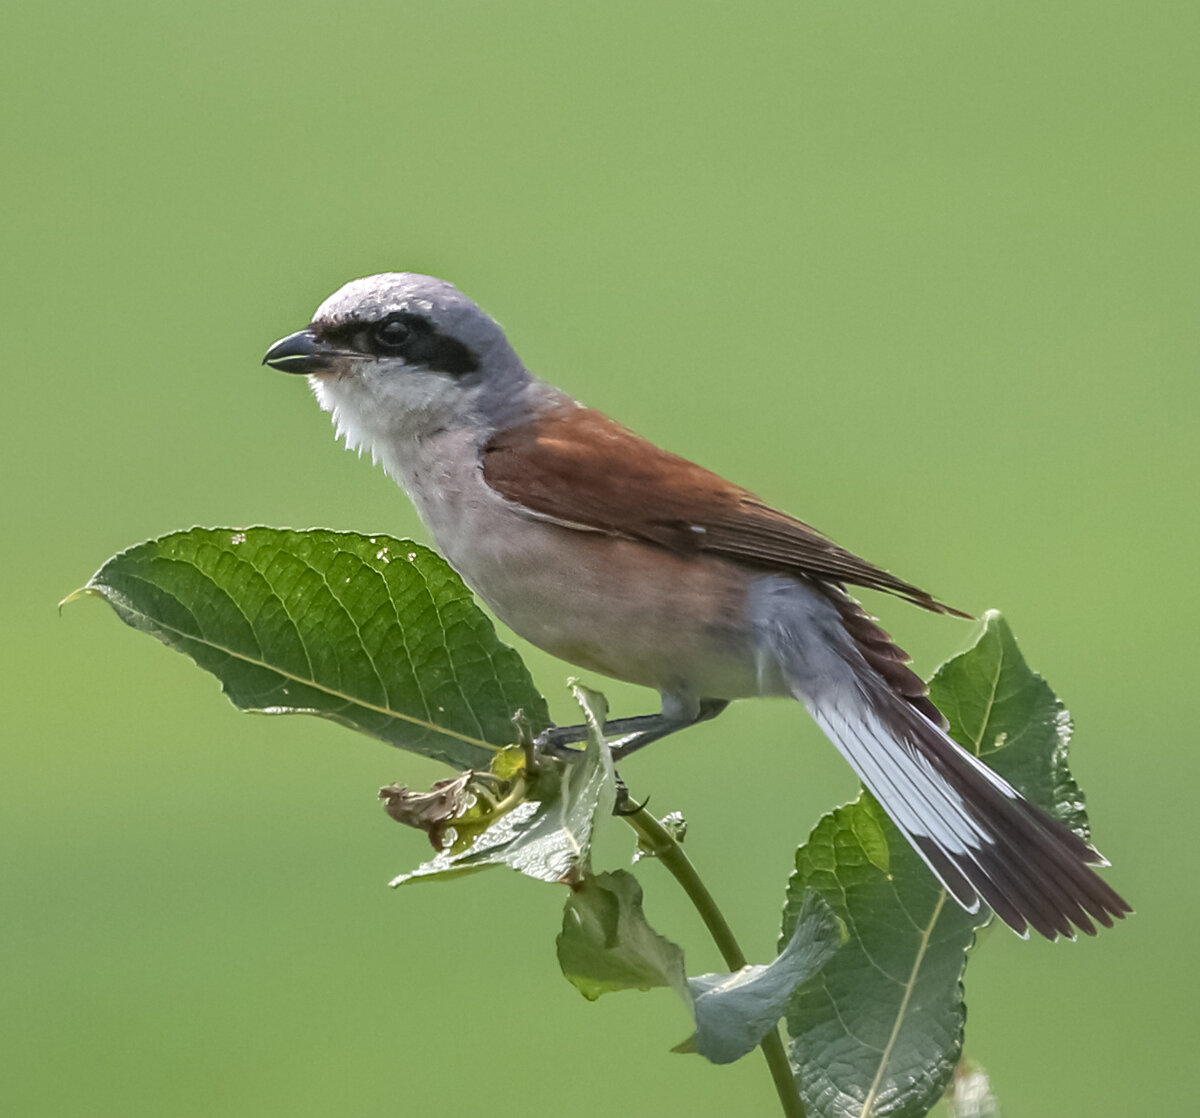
(375, 633)
(735, 1011)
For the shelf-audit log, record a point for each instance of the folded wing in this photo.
(576, 466)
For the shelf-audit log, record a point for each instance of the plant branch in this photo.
(658, 841)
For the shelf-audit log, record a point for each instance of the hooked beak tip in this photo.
(297, 353)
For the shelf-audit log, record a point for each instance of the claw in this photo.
(624, 805)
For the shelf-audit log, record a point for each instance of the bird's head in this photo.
(402, 355)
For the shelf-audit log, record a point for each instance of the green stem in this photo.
(658, 841)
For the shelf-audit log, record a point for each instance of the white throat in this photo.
(391, 416)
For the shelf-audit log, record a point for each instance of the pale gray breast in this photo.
(611, 605)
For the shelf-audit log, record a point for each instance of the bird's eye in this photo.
(390, 335)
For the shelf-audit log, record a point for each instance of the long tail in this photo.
(978, 835)
(974, 830)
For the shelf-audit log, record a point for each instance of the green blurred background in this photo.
(923, 273)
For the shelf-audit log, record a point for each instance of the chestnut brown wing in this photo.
(577, 466)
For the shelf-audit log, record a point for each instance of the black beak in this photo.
(298, 353)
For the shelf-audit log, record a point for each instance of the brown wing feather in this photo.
(578, 466)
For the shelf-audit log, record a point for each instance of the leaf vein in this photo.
(341, 696)
(922, 948)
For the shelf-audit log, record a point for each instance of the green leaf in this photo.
(735, 1011)
(548, 836)
(878, 1031)
(606, 943)
(1007, 714)
(375, 633)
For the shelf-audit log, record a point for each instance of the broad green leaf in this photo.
(549, 835)
(606, 944)
(878, 1031)
(375, 633)
(1008, 715)
(735, 1011)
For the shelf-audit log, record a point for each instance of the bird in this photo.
(619, 557)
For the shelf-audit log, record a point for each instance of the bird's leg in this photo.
(707, 709)
(633, 733)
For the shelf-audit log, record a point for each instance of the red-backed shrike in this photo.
(600, 548)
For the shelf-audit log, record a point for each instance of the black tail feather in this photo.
(1031, 869)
